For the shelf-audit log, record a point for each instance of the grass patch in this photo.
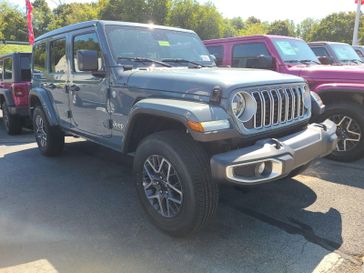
(5, 49)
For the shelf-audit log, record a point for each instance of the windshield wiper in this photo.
(144, 60)
(179, 60)
(352, 61)
(302, 61)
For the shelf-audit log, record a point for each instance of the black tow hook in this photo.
(323, 126)
(277, 144)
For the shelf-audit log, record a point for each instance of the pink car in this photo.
(340, 87)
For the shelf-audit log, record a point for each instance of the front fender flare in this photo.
(339, 87)
(180, 111)
(46, 103)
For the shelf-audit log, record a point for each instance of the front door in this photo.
(57, 79)
(88, 94)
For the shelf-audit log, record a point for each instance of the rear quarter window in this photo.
(25, 73)
(8, 69)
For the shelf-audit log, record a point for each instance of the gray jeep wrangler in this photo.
(154, 92)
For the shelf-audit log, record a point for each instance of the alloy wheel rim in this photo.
(348, 131)
(162, 186)
(40, 132)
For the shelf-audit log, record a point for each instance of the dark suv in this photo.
(154, 93)
(15, 79)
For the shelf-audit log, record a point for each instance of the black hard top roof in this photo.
(14, 53)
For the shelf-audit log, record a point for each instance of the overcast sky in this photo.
(268, 10)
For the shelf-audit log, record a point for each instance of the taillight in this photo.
(19, 91)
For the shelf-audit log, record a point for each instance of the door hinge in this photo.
(69, 114)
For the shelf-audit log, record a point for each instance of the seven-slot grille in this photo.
(277, 106)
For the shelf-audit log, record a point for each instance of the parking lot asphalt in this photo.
(80, 213)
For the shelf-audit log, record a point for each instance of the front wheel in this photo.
(349, 118)
(174, 184)
(50, 139)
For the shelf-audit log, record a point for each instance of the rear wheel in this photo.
(50, 139)
(12, 123)
(174, 184)
(349, 118)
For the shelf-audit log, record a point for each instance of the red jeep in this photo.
(340, 87)
(15, 79)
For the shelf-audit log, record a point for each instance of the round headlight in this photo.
(238, 104)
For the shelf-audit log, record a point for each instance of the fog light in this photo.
(259, 169)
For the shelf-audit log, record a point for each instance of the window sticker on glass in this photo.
(286, 48)
(164, 43)
(205, 58)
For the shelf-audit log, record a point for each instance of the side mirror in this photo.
(261, 62)
(325, 60)
(87, 60)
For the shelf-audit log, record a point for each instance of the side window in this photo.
(39, 58)
(320, 51)
(25, 68)
(1, 70)
(218, 52)
(8, 69)
(87, 41)
(58, 59)
(243, 53)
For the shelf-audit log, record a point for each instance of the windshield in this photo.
(294, 51)
(345, 53)
(127, 43)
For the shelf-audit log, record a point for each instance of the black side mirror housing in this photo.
(261, 62)
(325, 60)
(87, 60)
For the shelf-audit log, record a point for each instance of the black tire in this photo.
(50, 139)
(12, 123)
(191, 165)
(355, 112)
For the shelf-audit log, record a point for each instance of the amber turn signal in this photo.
(195, 126)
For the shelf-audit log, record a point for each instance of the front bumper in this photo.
(272, 159)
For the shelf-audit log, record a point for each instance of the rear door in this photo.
(88, 93)
(57, 78)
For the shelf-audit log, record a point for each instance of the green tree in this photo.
(205, 19)
(306, 27)
(282, 27)
(158, 10)
(42, 17)
(67, 14)
(13, 25)
(126, 10)
(337, 27)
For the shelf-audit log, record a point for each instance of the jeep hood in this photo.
(332, 73)
(201, 81)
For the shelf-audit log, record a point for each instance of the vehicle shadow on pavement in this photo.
(352, 173)
(26, 136)
(80, 212)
